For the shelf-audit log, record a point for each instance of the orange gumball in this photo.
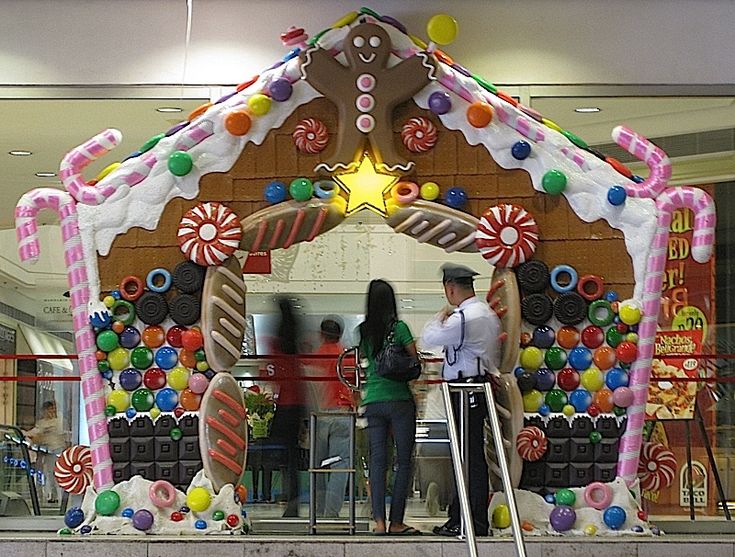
(604, 357)
(190, 400)
(567, 337)
(603, 399)
(237, 122)
(479, 114)
(187, 358)
(118, 327)
(242, 492)
(100, 355)
(153, 336)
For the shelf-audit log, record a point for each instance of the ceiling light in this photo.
(45, 174)
(407, 299)
(169, 109)
(587, 109)
(20, 153)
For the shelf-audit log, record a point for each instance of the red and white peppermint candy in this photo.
(418, 134)
(209, 233)
(73, 469)
(656, 467)
(507, 235)
(310, 136)
(531, 443)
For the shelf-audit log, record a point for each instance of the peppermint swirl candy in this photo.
(531, 443)
(656, 467)
(507, 235)
(310, 136)
(209, 233)
(73, 469)
(419, 134)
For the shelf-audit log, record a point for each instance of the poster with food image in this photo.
(674, 399)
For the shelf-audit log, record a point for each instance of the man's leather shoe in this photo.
(447, 529)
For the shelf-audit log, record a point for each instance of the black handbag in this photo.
(395, 363)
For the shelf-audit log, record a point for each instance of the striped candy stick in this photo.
(77, 160)
(26, 212)
(656, 160)
(704, 226)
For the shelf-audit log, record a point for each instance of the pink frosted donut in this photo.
(656, 467)
(73, 469)
(310, 136)
(531, 443)
(209, 233)
(507, 235)
(162, 494)
(405, 192)
(598, 495)
(419, 134)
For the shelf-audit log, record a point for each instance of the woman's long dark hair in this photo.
(380, 312)
(289, 327)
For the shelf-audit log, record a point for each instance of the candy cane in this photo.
(576, 156)
(656, 160)
(704, 232)
(77, 160)
(515, 120)
(26, 226)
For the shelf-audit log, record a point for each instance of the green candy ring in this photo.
(127, 319)
(595, 318)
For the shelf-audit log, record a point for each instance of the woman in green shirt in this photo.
(389, 409)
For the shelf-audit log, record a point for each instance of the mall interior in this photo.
(582, 148)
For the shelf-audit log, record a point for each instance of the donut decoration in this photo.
(507, 235)
(531, 443)
(656, 467)
(209, 233)
(310, 136)
(73, 469)
(419, 134)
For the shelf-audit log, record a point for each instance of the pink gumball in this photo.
(623, 397)
(198, 383)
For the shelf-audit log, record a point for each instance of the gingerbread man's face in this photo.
(367, 45)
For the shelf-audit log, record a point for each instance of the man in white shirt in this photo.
(469, 332)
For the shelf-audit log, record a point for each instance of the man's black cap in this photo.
(451, 272)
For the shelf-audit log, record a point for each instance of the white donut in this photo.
(507, 235)
(209, 234)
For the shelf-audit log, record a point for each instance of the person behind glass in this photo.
(48, 433)
(469, 333)
(389, 409)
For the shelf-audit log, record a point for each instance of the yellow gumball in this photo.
(531, 358)
(590, 530)
(198, 499)
(429, 191)
(259, 104)
(629, 314)
(119, 399)
(106, 170)
(532, 400)
(592, 379)
(501, 516)
(632, 337)
(119, 358)
(568, 410)
(442, 29)
(109, 301)
(154, 412)
(202, 366)
(178, 378)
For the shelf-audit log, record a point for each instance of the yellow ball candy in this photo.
(198, 499)
(501, 516)
(109, 301)
(119, 358)
(632, 337)
(442, 29)
(568, 410)
(531, 358)
(629, 314)
(259, 104)
(178, 378)
(154, 412)
(592, 379)
(106, 170)
(532, 400)
(429, 191)
(119, 399)
(590, 530)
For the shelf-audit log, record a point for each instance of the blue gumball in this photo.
(167, 399)
(130, 337)
(637, 179)
(131, 413)
(275, 192)
(116, 294)
(616, 377)
(130, 379)
(517, 371)
(107, 374)
(544, 410)
(74, 517)
(128, 512)
(456, 197)
(545, 379)
(543, 337)
(611, 296)
(166, 357)
(580, 358)
(614, 517)
(200, 524)
(520, 150)
(550, 499)
(86, 529)
(580, 399)
(616, 195)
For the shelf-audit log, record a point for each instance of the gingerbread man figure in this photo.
(365, 92)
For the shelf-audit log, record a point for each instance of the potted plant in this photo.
(261, 408)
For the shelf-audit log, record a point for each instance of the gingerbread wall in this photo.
(590, 248)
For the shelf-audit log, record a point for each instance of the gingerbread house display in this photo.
(362, 115)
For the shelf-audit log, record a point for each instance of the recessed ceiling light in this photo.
(45, 174)
(407, 299)
(20, 153)
(169, 109)
(587, 109)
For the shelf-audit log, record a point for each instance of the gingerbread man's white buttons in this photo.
(365, 103)
(365, 123)
(365, 82)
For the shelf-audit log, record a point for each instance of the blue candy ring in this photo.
(563, 269)
(155, 273)
(325, 189)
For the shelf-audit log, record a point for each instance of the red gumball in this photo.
(622, 328)
(154, 379)
(643, 515)
(233, 521)
(173, 336)
(593, 410)
(626, 352)
(568, 379)
(192, 339)
(178, 411)
(593, 336)
(176, 516)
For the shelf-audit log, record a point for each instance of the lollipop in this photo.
(73, 469)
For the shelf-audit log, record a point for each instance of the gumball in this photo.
(110, 410)
(643, 515)
(580, 358)
(527, 381)
(568, 379)
(143, 520)
(520, 150)
(118, 327)
(622, 397)
(568, 410)
(632, 337)
(107, 502)
(99, 355)
(590, 530)
(456, 197)
(544, 379)
(567, 337)
(655, 531)
(592, 336)
(153, 336)
(107, 341)
(74, 517)
(187, 358)
(595, 437)
(430, 190)
(301, 189)
(556, 399)
(531, 358)
(626, 352)
(555, 358)
(130, 337)
(479, 114)
(130, 379)
(200, 355)
(525, 339)
(543, 337)
(103, 366)
(440, 102)
(141, 357)
(532, 401)
(233, 521)
(544, 410)
(154, 413)
(622, 328)
(611, 296)
(202, 366)
(173, 335)
(167, 399)
(198, 499)
(178, 412)
(566, 497)
(130, 413)
(603, 399)
(166, 357)
(176, 516)
(178, 378)
(198, 383)
(280, 89)
(580, 399)
(275, 192)
(119, 400)
(613, 337)
(562, 518)
(180, 163)
(154, 379)
(501, 517)
(517, 371)
(259, 104)
(592, 379)
(109, 301)
(616, 195)
(142, 400)
(86, 529)
(614, 517)
(107, 375)
(527, 526)
(241, 494)
(604, 357)
(190, 401)
(630, 314)
(119, 359)
(65, 532)
(554, 182)
(218, 515)
(550, 498)
(192, 339)
(593, 410)
(176, 434)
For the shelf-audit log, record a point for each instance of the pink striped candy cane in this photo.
(515, 119)
(93, 390)
(656, 160)
(704, 232)
(77, 160)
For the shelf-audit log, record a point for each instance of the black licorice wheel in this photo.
(533, 276)
(570, 308)
(189, 277)
(537, 308)
(185, 309)
(151, 308)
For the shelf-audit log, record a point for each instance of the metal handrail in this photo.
(21, 440)
(341, 368)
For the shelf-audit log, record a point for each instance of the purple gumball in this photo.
(280, 89)
(562, 518)
(143, 520)
(440, 102)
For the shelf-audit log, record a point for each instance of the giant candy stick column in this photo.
(76, 160)
(26, 227)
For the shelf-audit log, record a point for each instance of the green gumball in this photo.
(554, 182)
(613, 337)
(141, 357)
(556, 399)
(301, 189)
(106, 503)
(143, 400)
(618, 411)
(108, 340)
(218, 515)
(110, 410)
(176, 434)
(555, 358)
(180, 163)
(565, 497)
(595, 437)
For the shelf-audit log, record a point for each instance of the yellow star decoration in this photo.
(365, 187)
